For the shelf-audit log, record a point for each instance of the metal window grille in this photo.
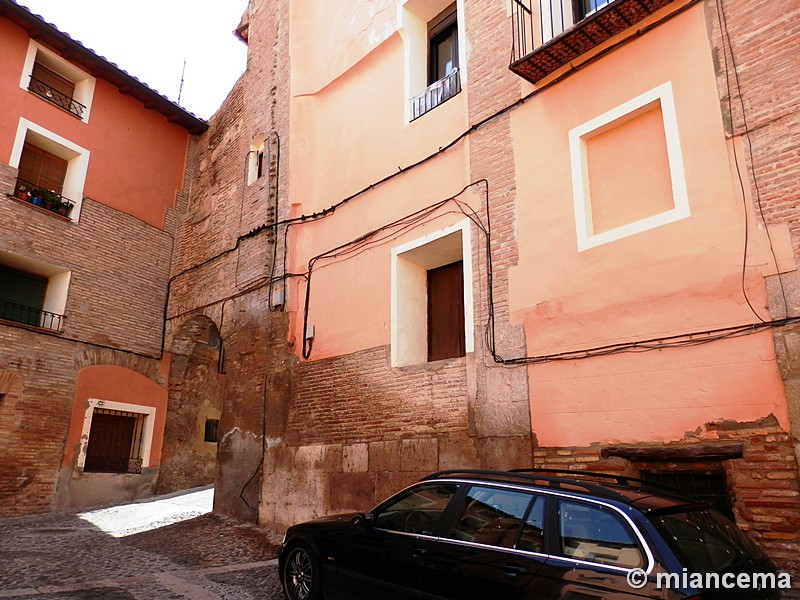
(115, 442)
(435, 94)
(708, 486)
(54, 88)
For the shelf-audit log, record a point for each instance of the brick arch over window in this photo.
(195, 401)
(139, 364)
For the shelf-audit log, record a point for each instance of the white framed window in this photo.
(32, 292)
(433, 37)
(414, 317)
(57, 81)
(30, 135)
(256, 165)
(642, 200)
(116, 437)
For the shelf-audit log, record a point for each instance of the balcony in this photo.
(549, 34)
(45, 199)
(435, 94)
(54, 96)
(29, 315)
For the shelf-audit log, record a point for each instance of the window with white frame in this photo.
(49, 165)
(431, 32)
(256, 167)
(432, 302)
(32, 292)
(57, 81)
(116, 437)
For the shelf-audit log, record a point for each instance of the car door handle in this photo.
(514, 569)
(417, 552)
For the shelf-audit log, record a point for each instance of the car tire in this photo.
(301, 575)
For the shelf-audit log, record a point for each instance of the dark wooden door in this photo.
(446, 337)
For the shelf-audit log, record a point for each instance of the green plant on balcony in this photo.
(51, 200)
(64, 207)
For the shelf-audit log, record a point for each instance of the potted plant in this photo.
(50, 200)
(64, 207)
(36, 196)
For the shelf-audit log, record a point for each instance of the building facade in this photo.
(93, 173)
(418, 258)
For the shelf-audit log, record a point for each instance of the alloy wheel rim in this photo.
(299, 575)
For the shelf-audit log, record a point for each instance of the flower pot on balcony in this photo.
(24, 195)
(37, 200)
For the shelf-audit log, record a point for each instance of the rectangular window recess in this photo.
(212, 431)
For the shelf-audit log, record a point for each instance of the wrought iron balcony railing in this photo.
(30, 316)
(60, 99)
(436, 93)
(47, 199)
(548, 34)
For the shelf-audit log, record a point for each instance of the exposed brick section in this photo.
(225, 256)
(110, 302)
(764, 40)
(35, 412)
(764, 483)
(359, 398)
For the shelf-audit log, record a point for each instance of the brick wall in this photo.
(114, 315)
(764, 484)
(757, 51)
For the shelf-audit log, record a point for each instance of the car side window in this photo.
(532, 537)
(596, 534)
(416, 510)
(491, 516)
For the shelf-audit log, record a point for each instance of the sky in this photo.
(151, 38)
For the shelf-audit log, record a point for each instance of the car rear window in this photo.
(706, 541)
(595, 534)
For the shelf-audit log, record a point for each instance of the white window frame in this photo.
(410, 264)
(149, 413)
(58, 278)
(76, 156)
(84, 83)
(414, 17)
(659, 96)
(257, 146)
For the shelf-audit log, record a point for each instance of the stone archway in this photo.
(194, 407)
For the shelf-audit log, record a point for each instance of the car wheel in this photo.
(301, 574)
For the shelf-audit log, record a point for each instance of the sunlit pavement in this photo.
(171, 547)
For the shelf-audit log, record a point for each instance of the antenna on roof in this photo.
(183, 72)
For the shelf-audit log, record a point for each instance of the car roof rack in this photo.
(642, 484)
(560, 478)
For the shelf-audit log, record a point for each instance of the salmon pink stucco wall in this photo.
(679, 277)
(136, 158)
(362, 84)
(115, 384)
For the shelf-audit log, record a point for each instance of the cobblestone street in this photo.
(64, 556)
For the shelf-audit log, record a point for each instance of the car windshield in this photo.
(707, 541)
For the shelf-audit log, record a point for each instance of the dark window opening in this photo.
(446, 335)
(443, 47)
(707, 486)
(212, 431)
(21, 296)
(583, 8)
(260, 167)
(115, 442)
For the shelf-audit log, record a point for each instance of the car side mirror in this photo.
(364, 520)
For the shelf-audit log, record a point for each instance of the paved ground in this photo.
(171, 548)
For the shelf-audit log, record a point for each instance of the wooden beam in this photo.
(668, 453)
